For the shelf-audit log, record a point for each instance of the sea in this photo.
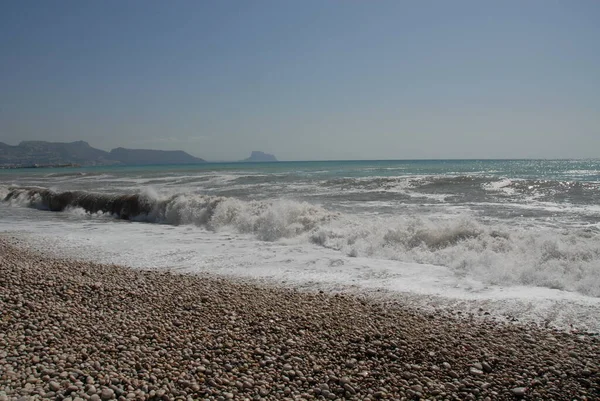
(514, 240)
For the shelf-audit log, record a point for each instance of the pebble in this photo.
(128, 335)
(349, 388)
(107, 394)
(519, 391)
(417, 388)
(475, 371)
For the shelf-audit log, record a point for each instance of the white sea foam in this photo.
(4, 190)
(501, 185)
(300, 264)
(517, 246)
(493, 253)
(268, 221)
(496, 255)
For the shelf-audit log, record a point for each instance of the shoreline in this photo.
(71, 329)
(546, 308)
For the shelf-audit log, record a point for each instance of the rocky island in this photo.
(258, 156)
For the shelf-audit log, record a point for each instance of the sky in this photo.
(306, 80)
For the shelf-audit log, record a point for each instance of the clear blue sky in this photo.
(306, 79)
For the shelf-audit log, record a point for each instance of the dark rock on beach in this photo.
(73, 330)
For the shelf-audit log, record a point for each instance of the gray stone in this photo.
(519, 391)
(349, 388)
(417, 388)
(475, 371)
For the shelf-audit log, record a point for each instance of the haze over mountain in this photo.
(146, 156)
(28, 153)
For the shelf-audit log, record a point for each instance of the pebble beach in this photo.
(73, 330)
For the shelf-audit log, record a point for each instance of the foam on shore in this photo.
(493, 253)
(81, 329)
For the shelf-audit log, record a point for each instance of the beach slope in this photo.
(76, 330)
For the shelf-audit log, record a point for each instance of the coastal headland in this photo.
(72, 330)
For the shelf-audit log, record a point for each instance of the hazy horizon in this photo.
(209, 160)
(306, 80)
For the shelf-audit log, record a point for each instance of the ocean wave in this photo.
(269, 221)
(121, 206)
(493, 252)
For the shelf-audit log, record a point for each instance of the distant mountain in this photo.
(30, 153)
(258, 156)
(145, 156)
(77, 152)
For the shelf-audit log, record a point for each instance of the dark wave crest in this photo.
(267, 220)
(121, 206)
(495, 253)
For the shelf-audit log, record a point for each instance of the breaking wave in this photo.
(497, 254)
(493, 252)
(269, 221)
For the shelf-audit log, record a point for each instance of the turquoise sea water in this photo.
(586, 170)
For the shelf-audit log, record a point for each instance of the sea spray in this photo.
(268, 220)
(493, 252)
